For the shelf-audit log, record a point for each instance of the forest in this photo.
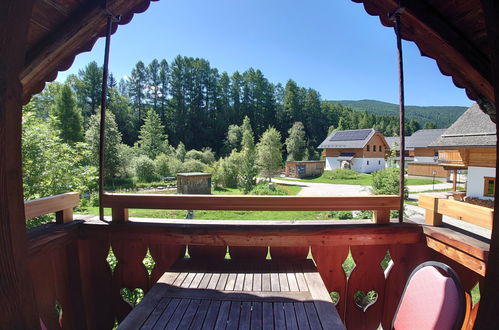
(179, 116)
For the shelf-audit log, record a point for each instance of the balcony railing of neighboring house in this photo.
(436, 207)
(450, 157)
(75, 287)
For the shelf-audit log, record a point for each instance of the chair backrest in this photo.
(433, 298)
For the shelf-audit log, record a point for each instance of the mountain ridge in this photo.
(443, 116)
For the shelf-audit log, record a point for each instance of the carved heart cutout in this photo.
(365, 300)
(132, 297)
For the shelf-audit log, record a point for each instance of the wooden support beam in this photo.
(381, 217)
(18, 307)
(454, 179)
(489, 300)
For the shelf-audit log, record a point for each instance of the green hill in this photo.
(443, 116)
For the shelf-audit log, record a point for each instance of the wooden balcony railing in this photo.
(436, 207)
(62, 205)
(379, 204)
(451, 157)
(70, 269)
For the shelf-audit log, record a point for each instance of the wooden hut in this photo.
(62, 266)
(304, 168)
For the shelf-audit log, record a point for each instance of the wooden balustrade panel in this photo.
(130, 271)
(68, 286)
(329, 262)
(242, 252)
(405, 258)
(164, 255)
(96, 282)
(207, 252)
(42, 275)
(289, 252)
(366, 276)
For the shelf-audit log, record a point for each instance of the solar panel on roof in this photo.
(351, 135)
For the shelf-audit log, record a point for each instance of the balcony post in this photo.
(381, 217)
(119, 214)
(19, 310)
(430, 204)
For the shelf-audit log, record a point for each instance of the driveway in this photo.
(327, 189)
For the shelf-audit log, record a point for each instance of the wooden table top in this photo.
(237, 295)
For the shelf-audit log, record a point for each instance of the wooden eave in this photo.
(451, 32)
(61, 29)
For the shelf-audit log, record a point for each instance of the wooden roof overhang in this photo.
(61, 29)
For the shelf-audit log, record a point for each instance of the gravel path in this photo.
(327, 189)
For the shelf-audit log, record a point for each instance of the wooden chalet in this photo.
(362, 150)
(470, 143)
(304, 168)
(57, 276)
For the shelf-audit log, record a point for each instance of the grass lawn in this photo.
(361, 179)
(218, 215)
(289, 188)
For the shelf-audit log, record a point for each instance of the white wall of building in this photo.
(420, 159)
(475, 183)
(361, 165)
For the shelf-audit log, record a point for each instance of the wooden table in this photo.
(237, 295)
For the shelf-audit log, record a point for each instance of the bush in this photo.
(343, 173)
(364, 214)
(226, 171)
(144, 169)
(386, 182)
(263, 189)
(206, 156)
(342, 215)
(162, 165)
(193, 165)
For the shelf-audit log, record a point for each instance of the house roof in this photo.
(473, 129)
(419, 139)
(349, 139)
(423, 138)
(451, 32)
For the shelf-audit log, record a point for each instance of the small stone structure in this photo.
(194, 183)
(303, 169)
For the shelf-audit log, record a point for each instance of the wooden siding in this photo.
(427, 170)
(337, 152)
(424, 152)
(311, 168)
(483, 157)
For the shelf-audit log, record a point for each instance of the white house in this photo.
(362, 150)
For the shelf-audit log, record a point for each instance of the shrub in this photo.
(263, 189)
(364, 214)
(342, 215)
(206, 156)
(343, 173)
(193, 165)
(162, 165)
(144, 169)
(386, 182)
(226, 171)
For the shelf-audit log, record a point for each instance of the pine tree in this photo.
(88, 88)
(295, 143)
(268, 153)
(248, 170)
(68, 118)
(136, 88)
(152, 140)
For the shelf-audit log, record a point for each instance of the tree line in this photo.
(180, 116)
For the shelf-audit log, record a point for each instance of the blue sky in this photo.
(333, 46)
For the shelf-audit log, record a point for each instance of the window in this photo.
(374, 147)
(367, 147)
(379, 162)
(380, 149)
(489, 186)
(300, 169)
(367, 162)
